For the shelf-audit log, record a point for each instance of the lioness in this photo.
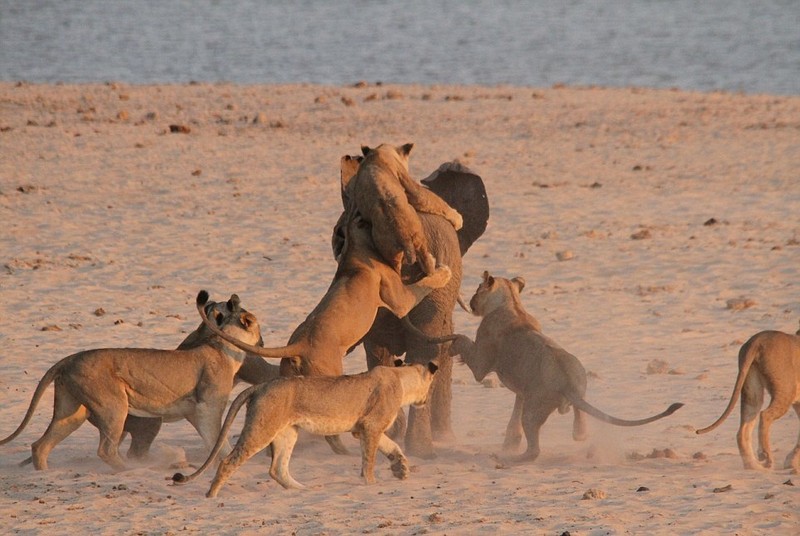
(385, 194)
(363, 282)
(254, 369)
(544, 376)
(365, 404)
(768, 360)
(106, 385)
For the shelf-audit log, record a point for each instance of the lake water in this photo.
(732, 45)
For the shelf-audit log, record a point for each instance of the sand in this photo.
(656, 229)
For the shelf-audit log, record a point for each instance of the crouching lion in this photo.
(382, 190)
(365, 404)
(768, 360)
(544, 376)
(104, 386)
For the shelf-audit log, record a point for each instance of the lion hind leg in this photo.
(68, 416)
(392, 451)
(579, 432)
(336, 444)
(282, 447)
(513, 437)
(110, 436)
(778, 406)
(793, 458)
(751, 401)
(534, 415)
(249, 445)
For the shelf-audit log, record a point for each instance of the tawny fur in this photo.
(543, 376)
(254, 369)
(363, 283)
(106, 385)
(365, 404)
(386, 196)
(769, 360)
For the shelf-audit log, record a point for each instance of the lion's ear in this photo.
(398, 362)
(296, 362)
(520, 282)
(219, 318)
(365, 150)
(432, 367)
(487, 279)
(348, 167)
(248, 320)
(405, 150)
(234, 303)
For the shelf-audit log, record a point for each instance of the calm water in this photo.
(733, 45)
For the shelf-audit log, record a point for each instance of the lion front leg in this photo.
(392, 451)
(369, 439)
(793, 458)
(751, 400)
(207, 420)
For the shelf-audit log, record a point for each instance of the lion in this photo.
(363, 283)
(768, 360)
(105, 385)
(385, 194)
(543, 376)
(254, 369)
(365, 404)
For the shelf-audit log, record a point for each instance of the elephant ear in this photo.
(463, 190)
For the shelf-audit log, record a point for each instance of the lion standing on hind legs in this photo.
(463, 190)
(768, 360)
(543, 376)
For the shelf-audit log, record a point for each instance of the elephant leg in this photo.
(433, 421)
(419, 440)
(441, 396)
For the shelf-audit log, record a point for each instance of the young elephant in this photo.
(365, 404)
(105, 386)
(768, 360)
(544, 376)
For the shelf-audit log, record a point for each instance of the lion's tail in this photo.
(236, 405)
(44, 383)
(747, 355)
(291, 350)
(584, 406)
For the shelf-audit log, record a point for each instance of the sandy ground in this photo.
(678, 213)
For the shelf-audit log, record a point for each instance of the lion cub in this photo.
(387, 197)
(105, 386)
(769, 360)
(544, 376)
(365, 404)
